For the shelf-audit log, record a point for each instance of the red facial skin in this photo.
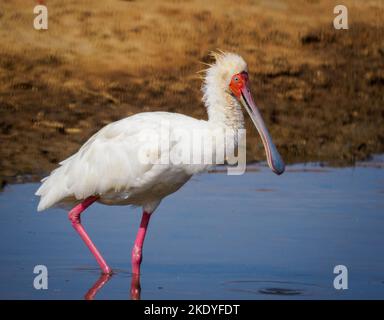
(238, 82)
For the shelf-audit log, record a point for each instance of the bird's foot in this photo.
(107, 271)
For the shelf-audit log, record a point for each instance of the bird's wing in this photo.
(112, 160)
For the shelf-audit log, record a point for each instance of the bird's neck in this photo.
(222, 107)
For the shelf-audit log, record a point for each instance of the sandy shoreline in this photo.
(320, 90)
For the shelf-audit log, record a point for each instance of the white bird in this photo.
(108, 168)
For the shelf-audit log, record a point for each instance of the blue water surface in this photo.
(254, 236)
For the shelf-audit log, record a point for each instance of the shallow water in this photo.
(255, 236)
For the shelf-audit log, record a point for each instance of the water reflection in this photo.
(104, 278)
(135, 287)
(101, 281)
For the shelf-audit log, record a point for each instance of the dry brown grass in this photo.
(320, 90)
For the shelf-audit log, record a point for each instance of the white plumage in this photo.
(107, 164)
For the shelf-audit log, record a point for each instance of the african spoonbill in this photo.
(106, 168)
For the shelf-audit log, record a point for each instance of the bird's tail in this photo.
(52, 190)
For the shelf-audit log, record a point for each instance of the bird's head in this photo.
(230, 75)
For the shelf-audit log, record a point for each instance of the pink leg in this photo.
(138, 247)
(74, 216)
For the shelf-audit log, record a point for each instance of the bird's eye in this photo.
(236, 79)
